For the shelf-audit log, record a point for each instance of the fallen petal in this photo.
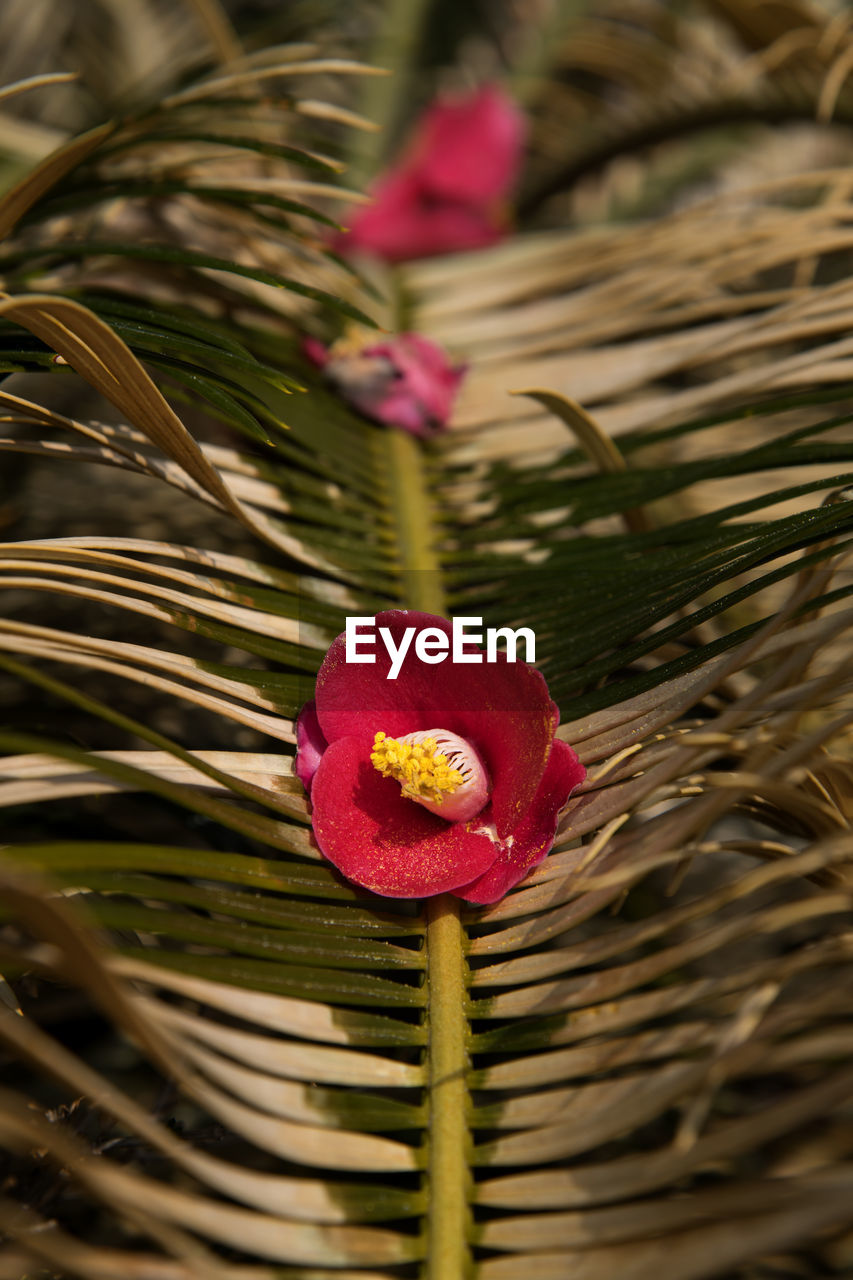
(534, 836)
(382, 841)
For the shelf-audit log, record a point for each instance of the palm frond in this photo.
(638, 1061)
(642, 79)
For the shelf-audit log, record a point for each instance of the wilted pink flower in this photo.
(447, 778)
(446, 191)
(406, 381)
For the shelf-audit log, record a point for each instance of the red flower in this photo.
(405, 382)
(446, 192)
(447, 778)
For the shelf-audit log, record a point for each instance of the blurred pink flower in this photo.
(447, 190)
(406, 381)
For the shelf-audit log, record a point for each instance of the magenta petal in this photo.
(420, 397)
(444, 194)
(384, 842)
(411, 223)
(310, 745)
(405, 382)
(398, 848)
(471, 147)
(534, 835)
(503, 708)
(399, 409)
(449, 227)
(393, 226)
(315, 351)
(426, 369)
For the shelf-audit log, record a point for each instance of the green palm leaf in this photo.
(638, 1061)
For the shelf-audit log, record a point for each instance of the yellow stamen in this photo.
(419, 767)
(352, 341)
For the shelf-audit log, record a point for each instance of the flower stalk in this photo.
(449, 1221)
(449, 1218)
(413, 523)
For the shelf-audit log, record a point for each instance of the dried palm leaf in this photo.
(639, 1060)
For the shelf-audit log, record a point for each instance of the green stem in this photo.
(410, 503)
(385, 99)
(449, 1223)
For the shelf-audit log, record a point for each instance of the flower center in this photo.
(435, 768)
